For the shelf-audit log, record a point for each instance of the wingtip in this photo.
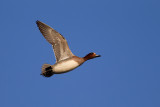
(40, 23)
(37, 21)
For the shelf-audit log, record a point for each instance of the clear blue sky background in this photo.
(125, 32)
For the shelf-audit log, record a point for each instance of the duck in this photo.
(65, 60)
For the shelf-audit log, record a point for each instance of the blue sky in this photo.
(125, 32)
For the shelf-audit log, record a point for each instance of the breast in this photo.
(65, 66)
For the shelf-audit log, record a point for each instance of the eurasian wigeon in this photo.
(65, 59)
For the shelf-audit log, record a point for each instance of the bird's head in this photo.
(91, 56)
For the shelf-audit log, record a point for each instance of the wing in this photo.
(59, 43)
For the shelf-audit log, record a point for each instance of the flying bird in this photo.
(65, 59)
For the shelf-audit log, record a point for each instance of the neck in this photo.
(87, 57)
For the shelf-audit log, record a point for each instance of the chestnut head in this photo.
(91, 56)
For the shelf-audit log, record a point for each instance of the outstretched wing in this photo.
(59, 43)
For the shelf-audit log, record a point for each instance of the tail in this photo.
(47, 70)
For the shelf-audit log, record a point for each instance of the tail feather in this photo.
(44, 66)
(47, 70)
